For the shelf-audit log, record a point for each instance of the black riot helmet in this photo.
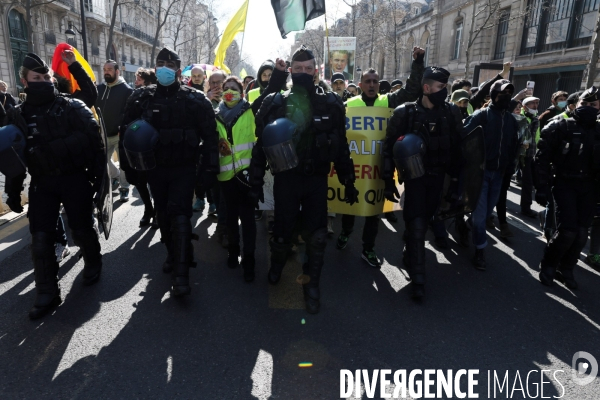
(279, 146)
(12, 151)
(408, 156)
(140, 140)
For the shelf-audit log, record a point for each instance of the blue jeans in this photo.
(490, 192)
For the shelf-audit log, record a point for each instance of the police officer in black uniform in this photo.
(569, 156)
(184, 118)
(429, 129)
(65, 157)
(320, 139)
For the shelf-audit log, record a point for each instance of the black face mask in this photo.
(502, 101)
(304, 80)
(586, 115)
(40, 92)
(438, 98)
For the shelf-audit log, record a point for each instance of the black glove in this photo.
(256, 195)
(208, 180)
(14, 202)
(391, 191)
(351, 194)
(541, 198)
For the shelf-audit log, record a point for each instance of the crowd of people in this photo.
(210, 138)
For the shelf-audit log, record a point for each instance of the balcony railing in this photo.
(95, 51)
(124, 58)
(132, 60)
(49, 37)
(130, 30)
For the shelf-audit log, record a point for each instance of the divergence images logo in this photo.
(580, 368)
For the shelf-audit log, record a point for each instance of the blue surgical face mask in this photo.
(562, 104)
(165, 76)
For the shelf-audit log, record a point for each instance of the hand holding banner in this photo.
(365, 130)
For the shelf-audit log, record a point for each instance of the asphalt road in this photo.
(125, 337)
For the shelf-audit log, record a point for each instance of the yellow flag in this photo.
(243, 73)
(235, 26)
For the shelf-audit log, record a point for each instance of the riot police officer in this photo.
(569, 156)
(183, 118)
(65, 156)
(300, 132)
(421, 139)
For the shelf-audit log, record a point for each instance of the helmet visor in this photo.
(282, 156)
(141, 161)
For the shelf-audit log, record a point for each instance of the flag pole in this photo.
(244, 33)
(327, 40)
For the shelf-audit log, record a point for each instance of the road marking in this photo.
(169, 368)
(262, 376)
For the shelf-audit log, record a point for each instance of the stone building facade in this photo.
(548, 41)
(133, 35)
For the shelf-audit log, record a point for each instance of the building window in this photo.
(502, 35)
(586, 23)
(457, 40)
(558, 24)
(416, 11)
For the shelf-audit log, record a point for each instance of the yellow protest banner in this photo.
(365, 130)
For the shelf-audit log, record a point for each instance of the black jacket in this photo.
(196, 113)
(111, 101)
(568, 150)
(501, 135)
(88, 93)
(274, 106)
(446, 117)
(75, 119)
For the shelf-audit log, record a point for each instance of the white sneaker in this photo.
(62, 251)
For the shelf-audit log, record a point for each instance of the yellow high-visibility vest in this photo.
(244, 138)
(381, 101)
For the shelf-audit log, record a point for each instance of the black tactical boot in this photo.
(565, 275)
(87, 240)
(183, 253)
(316, 256)
(279, 255)
(45, 270)
(147, 217)
(547, 274)
(312, 294)
(248, 264)
(479, 259)
(233, 255)
(180, 280)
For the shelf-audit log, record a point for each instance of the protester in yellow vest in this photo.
(370, 97)
(262, 80)
(235, 125)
